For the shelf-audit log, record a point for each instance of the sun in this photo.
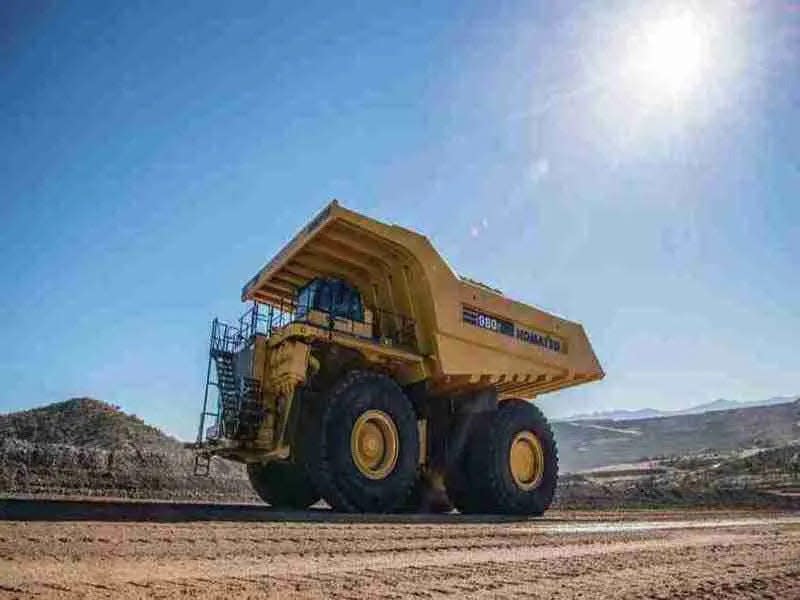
(655, 72)
(670, 55)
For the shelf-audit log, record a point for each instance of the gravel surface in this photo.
(566, 555)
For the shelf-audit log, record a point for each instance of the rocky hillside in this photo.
(745, 457)
(87, 447)
(589, 444)
(84, 422)
(759, 478)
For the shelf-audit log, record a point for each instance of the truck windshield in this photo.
(305, 298)
(332, 296)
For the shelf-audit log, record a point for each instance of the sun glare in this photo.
(655, 71)
(669, 56)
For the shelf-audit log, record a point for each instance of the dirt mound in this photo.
(760, 478)
(84, 422)
(581, 492)
(87, 447)
(783, 459)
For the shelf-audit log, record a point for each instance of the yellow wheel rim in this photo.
(526, 460)
(374, 444)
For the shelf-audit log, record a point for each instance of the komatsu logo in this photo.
(539, 339)
(505, 327)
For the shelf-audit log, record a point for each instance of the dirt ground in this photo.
(565, 555)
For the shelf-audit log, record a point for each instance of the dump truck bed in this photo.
(469, 335)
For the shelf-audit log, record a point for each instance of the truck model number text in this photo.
(505, 327)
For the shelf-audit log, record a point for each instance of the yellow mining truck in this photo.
(368, 374)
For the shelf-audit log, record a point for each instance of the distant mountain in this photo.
(650, 413)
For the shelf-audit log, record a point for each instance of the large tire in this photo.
(517, 426)
(332, 464)
(282, 485)
(458, 476)
(313, 456)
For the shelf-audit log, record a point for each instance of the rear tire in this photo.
(367, 450)
(514, 461)
(458, 477)
(282, 485)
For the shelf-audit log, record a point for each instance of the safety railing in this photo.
(264, 319)
(225, 337)
(381, 326)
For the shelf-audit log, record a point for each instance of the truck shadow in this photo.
(40, 509)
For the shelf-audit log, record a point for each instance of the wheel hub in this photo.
(374, 444)
(526, 460)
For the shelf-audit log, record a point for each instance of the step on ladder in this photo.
(202, 465)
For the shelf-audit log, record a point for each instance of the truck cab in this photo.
(335, 304)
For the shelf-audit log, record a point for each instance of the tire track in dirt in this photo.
(716, 570)
(208, 560)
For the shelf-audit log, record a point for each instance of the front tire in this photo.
(516, 456)
(367, 455)
(282, 485)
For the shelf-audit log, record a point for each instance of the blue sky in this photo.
(154, 155)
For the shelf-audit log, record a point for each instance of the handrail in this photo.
(385, 327)
(264, 319)
(201, 428)
(226, 339)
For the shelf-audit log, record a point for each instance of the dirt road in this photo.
(566, 555)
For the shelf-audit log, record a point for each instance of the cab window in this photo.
(332, 296)
(356, 308)
(324, 297)
(305, 298)
(341, 294)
